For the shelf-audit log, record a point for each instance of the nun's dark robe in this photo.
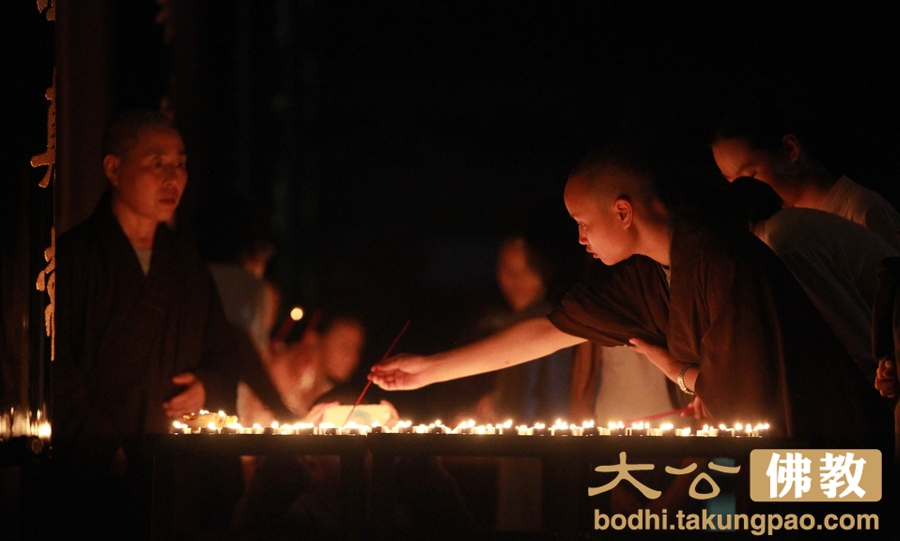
(123, 335)
(764, 352)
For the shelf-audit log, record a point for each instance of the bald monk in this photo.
(719, 312)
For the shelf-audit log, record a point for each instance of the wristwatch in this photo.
(680, 380)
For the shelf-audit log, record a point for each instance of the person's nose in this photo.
(581, 238)
(172, 174)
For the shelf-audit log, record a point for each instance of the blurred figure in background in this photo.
(533, 392)
(250, 302)
(325, 357)
(251, 306)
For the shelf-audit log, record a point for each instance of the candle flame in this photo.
(297, 313)
(192, 423)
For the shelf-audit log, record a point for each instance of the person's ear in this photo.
(624, 212)
(111, 169)
(791, 147)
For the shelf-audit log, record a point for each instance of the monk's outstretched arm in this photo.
(524, 341)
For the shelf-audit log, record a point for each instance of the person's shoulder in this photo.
(80, 237)
(709, 234)
(797, 221)
(184, 260)
(90, 230)
(78, 234)
(861, 198)
(718, 251)
(821, 221)
(181, 246)
(811, 229)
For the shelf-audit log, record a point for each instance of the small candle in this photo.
(464, 427)
(562, 429)
(588, 429)
(666, 429)
(638, 429)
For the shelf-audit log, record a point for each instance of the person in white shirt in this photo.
(759, 141)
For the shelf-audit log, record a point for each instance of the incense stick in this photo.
(369, 384)
(660, 415)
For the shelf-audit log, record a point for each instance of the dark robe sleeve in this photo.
(616, 303)
(737, 335)
(219, 364)
(766, 355)
(72, 410)
(83, 416)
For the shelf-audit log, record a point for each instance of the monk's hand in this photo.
(699, 411)
(402, 372)
(659, 356)
(886, 378)
(190, 400)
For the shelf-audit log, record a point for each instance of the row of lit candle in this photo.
(24, 422)
(559, 428)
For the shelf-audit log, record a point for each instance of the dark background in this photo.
(386, 147)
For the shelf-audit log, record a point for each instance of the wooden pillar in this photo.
(85, 46)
